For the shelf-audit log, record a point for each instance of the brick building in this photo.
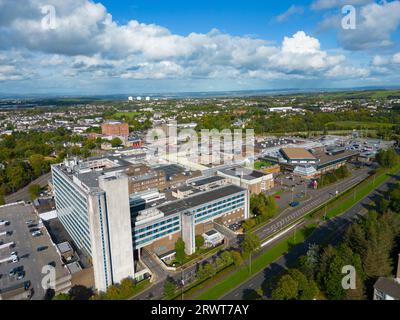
(115, 128)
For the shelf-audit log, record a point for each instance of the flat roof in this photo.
(388, 286)
(205, 181)
(298, 153)
(211, 232)
(326, 158)
(244, 173)
(64, 247)
(199, 199)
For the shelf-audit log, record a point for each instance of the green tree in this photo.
(116, 142)
(250, 244)
(180, 255)
(38, 164)
(199, 241)
(34, 191)
(286, 289)
(62, 296)
(169, 288)
(237, 258)
(2, 199)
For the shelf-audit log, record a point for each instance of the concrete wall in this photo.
(100, 252)
(119, 226)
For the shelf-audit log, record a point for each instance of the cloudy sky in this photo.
(133, 46)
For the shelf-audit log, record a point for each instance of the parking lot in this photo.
(23, 221)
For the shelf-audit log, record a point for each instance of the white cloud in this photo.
(329, 4)
(396, 58)
(293, 9)
(87, 42)
(375, 24)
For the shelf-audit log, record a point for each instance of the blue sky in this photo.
(129, 46)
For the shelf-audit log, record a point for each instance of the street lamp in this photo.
(182, 284)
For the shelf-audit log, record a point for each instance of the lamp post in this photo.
(182, 283)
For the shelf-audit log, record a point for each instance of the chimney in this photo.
(398, 270)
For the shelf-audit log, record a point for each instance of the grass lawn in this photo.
(361, 192)
(258, 264)
(129, 115)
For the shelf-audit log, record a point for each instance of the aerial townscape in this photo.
(170, 185)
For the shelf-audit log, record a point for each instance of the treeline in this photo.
(387, 158)
(333, 176)
(369, 245)
(262, 208)
(26, 156)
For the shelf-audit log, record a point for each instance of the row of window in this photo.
(158, 236)
(219, 203)
(234, 207)
(219, 208)
(144, 235)
(161, 223)
(72, 211)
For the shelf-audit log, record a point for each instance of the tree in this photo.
(250, 244)
(38, 164)
(249, 224)
(237, 258)
(2, 199)
(126, 288)
(199, 241)
(180, 251)
(307, 289)
(62, 296)
(387, 158)
(116, 142)
(286, 289)
(227, 258)
(34, 191)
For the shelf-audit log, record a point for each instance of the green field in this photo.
(129, 115)
(349, 125)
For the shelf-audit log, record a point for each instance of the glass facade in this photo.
(72, 210)
(160, 229)
(212, 210)
(143, 236)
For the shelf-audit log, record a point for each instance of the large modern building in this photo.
(312, 162)
(111, 220)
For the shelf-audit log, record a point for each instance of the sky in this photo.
(154, 46)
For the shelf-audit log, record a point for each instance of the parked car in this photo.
(20, 275)
(37, 234)
(43, 248)
(294, 204)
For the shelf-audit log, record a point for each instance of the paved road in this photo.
(23, 194)
(318, 197)
(334, 227)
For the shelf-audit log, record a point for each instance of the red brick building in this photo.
(115, 128)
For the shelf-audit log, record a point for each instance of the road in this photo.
(334, 228)
(23, 194)
(318, 197)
